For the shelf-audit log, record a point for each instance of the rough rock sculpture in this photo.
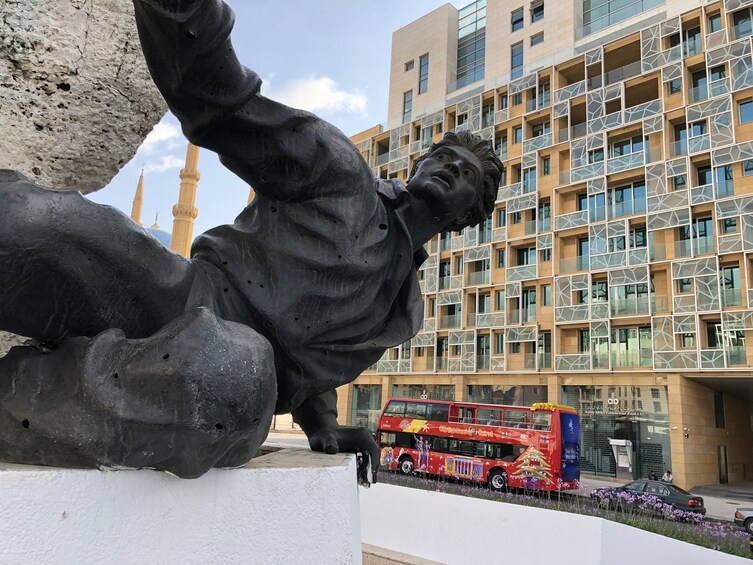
(76, 99)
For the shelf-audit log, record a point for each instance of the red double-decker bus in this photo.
(534, 447)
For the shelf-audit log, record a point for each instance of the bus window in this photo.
(439, 412)
(488, 417)
(439, 444)
(395, 409)
(516, 418)
(462, 447)
(465, 415)
(396, 439)
(542, 421)
(415, 410)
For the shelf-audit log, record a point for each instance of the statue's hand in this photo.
(347, 439)
(178, 10)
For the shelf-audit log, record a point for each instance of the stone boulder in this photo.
(76, 99)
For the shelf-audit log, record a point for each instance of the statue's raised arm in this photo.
(279, 150)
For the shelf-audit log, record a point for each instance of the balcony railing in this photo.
(574, 264)
(624, 72)
(699, 143)
(545, 360)
(640, 358)
(479, 277)
(677, 148)
(634, 306)
(450, 322)
(522, 315)
(382, 159)
(696, 246)
(521, 273)
(698, 93)
(530, 227)
(736, 355)
(441, 363)
(482, 361)
(732, 297)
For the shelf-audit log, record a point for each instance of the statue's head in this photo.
(458, 179)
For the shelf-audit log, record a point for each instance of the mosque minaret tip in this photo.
(138, 200)
(185, 211)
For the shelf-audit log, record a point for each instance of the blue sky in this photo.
(331, 57)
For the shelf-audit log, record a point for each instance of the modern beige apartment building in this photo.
(616, 274)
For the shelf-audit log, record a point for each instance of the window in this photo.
(503, 101)
(500, 258)
(407, 105)
(725, 185)
(517, 134)
(516, 19)
(546, 255)
(517, 99)
(687, 341)
(747, 168)
(409, 66)
(517, 217)
(499, 299)
(698, 129)
(423, 73)
(499, 344)
(538, 130)
(679, 182)
(729, 225)
(432, 307)
(516, 60)
(741, 22)
(704, 176)
(537, 11)
(674, 86)
(546, 295)
(715, 22)
(501, 218)
(746, 111)
(626, 146)
(515, 347)
(546, 166)
(458, 265)
(684, 286)
(471, 44)
(537, 38)
(595, 156)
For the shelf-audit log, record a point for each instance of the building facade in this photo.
(616, 274)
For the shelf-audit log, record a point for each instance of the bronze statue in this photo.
(146, 359)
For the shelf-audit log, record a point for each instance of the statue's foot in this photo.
(197, 394)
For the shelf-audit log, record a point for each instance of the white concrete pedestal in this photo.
(292, 506)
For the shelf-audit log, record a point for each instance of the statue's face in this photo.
(448, 180)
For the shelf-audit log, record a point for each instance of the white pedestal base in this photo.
(292, 506)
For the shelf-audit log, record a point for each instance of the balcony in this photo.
(640, 358)
(712, 358)
(570, 314)
(634, 306)
(521, 273)
(441, 363)
(701, 194)
(482, 362)
(677, 148)
(625, 162)
(545, 360)
(696, 246)
(522, 315)
(479, 277)
(529, 360)
(732, 297)
(530, 227)
(623, 73)
(699, 143)
(698, 94)
(572, 362)
(450, 322)
(574, 264)
(736, 355)
(382, 159)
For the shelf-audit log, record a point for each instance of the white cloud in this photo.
(164, 137)
(317, 94)
(164, 163)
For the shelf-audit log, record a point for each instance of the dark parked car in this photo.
(744, 519)
(667, 493)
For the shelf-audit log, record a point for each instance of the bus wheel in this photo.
(406, 466)
(498, 480)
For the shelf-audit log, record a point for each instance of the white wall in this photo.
(293, 506)
(455, 529)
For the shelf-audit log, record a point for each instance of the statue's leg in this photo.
(197, 394)
(70, 267)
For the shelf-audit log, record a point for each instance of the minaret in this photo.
(155, 226)
(251, 195)
(138, 200)
(185, 211)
